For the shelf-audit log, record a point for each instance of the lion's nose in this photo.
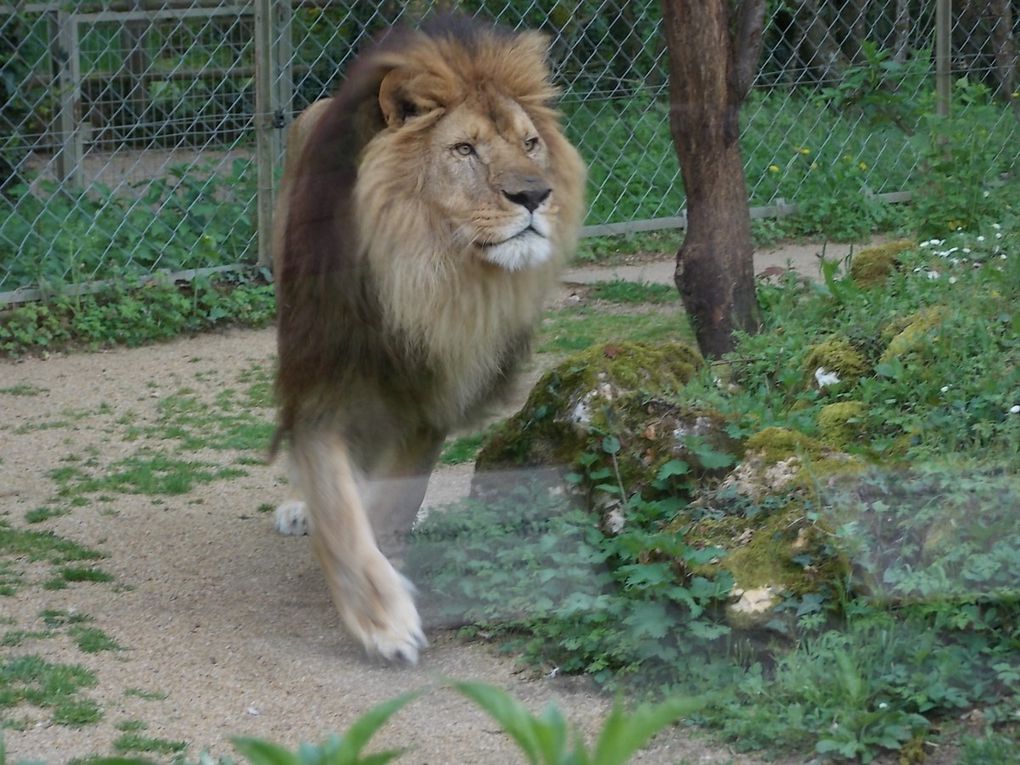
(529, 198)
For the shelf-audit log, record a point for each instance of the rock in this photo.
(753, 608)
(613, 416)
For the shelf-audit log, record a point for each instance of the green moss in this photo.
(873, 265)
(777, 444)
(909, 335)
(837, 354)
(842, 423)
(580, 395)
(782, 549)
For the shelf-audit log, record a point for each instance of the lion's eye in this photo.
(464, 149)
(531, 143)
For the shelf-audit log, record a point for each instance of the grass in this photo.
(55, 687)
(23, 389)
(143, 473)
(634, 293)
(136, 743)
(462, 449)
(573, 329)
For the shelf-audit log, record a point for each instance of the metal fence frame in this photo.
(274, 88)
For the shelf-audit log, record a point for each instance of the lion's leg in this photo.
(374, 600)
(397, 487)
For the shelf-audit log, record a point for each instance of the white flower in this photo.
(998, 235)
(1015, 409)
(986, 194)
(981, 239)
(933, 275)
(932, 243)
(952, 280)
(944, 389)
(825, 378)
(966, 250)
(996, 226)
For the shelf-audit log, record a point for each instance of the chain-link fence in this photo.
(139, 136)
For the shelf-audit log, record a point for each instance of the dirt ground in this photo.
(226, 628)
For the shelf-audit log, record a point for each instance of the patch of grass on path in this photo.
(54, 687)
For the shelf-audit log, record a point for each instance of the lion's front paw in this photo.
(291, 519)
(382, 614)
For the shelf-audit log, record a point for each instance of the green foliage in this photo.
(119, 315)
(337, 750)
(189, 219)
(546, 739)
(961, 186)
(546, 578)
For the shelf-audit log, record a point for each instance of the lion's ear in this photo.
(403, 95)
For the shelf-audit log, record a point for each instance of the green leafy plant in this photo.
(546, 739)
(337, 750)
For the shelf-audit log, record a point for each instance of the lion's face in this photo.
(469, 157)
(488, 176)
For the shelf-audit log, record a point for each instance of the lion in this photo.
(424, 213)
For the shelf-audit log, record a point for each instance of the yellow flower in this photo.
(804, 150)
(773, 168)
(814, 166)
(863, 165)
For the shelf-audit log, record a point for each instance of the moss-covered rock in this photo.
(872, 266)
(842, 423)
(613, 414)
(580, 397)
(773, 547)
(911, 334)
(835, 356)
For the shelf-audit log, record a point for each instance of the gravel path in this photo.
(226, 628)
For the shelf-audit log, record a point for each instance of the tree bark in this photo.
(902, 26)
(1004, 45)
(825, 55)
(712, 61)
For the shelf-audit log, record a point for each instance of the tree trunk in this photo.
(1004, 45)
(711, 69)
(824, 53)
(902, 26)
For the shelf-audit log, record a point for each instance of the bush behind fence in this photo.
(139, 136)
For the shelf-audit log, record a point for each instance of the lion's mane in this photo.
(374, 304)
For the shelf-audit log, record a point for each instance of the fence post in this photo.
(283, 90)
(66, 58)
(264, 129)
(943, 55)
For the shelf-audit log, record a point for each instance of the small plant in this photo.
(337, 750)
(546, 739)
